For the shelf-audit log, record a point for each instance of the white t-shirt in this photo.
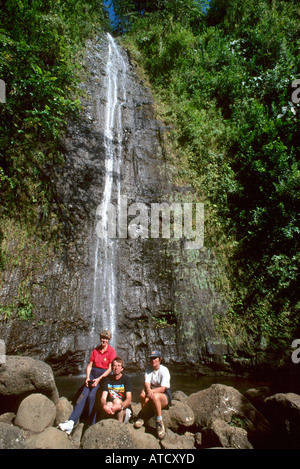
(157, 378)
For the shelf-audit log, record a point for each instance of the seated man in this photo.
(156, 394)
(117, 393)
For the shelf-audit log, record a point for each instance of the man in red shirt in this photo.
(99, 366)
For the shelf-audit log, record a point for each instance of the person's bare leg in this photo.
(120, 413)
(143, 398)
(159, 401)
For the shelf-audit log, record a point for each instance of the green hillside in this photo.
(225, 76)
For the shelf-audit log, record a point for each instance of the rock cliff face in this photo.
(165, 296)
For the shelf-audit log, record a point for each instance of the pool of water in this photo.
(68, 385)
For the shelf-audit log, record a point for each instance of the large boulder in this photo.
(107, 434)
(11, 437)
(50, 438)
(220, 434)
(283, 412)
(257, 396)
(64, 409)
(226, 404)
(179, 396)
(178, 416)
(7, 417)
(23, 376)
(141, 439)
(173, 441)
(35, 413)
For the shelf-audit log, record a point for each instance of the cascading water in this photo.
(76, 292)
(105, 283)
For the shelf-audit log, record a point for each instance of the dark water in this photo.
(68, 385)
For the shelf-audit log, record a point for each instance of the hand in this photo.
(150, 394)
(96, 381)
(91, 382)
(87, 382)
(109, 409)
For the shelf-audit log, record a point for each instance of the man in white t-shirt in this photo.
(156, 393)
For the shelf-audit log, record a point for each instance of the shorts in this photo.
(169, 395)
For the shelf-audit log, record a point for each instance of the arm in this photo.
(150, 392)
(127, 401)
(104, 404)
(88, 372)
(106, 373)
(161, 389)
(117, 405)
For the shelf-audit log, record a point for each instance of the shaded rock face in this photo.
(11, 437)
(165, 296)
(22, 376)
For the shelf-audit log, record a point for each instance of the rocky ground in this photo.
(216, 417)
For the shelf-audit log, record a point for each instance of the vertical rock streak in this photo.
(105, 279)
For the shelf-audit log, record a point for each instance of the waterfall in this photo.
(105, 295)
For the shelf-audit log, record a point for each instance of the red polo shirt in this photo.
(103, 359)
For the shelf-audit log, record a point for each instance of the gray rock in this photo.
(7, 417)
(257, 396)
(178, 416)
(136, 408)
(77, 433)
(174, 441)
(50, 438)
(24, 375)
(226, 404)
(11, 437)
(283, 412)
(221, 434)
(141, 439)
(179, 396)
(64, 409)
(107, 434)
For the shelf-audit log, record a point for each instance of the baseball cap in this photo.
(155, 353)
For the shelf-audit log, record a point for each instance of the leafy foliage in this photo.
(226, 74)
(39, 43)
(130, 11)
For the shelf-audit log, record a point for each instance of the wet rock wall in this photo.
(166, 296)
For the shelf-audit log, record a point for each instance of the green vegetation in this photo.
(224, 76)
(40, 42)
(165, 319)
(27, 257)
(239, 422)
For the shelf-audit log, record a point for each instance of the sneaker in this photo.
(67, 426)
(160, 430)
(139, 423)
